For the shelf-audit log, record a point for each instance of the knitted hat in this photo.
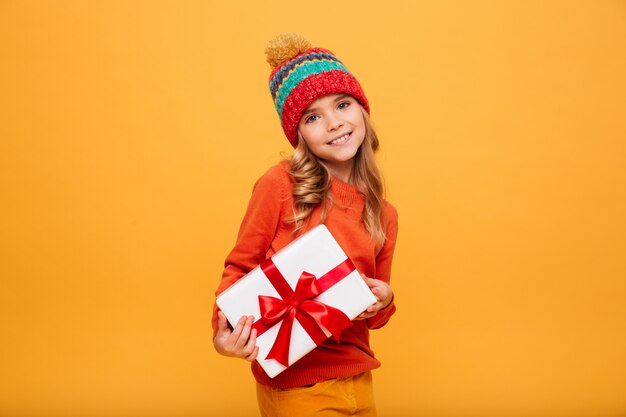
(301, 74)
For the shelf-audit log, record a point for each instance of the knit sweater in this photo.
(264, 231)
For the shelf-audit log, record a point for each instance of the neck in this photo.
(342, 171)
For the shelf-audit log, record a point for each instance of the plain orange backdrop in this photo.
(131, 133)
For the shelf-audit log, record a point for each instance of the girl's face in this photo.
(333, 129)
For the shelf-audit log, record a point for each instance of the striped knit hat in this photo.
(301, 74)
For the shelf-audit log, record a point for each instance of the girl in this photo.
(332, 178)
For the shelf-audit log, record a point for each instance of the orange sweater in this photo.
(263, 232)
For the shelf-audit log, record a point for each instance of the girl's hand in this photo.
(382, 292)
(239, 342)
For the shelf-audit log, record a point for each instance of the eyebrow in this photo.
(313, 110)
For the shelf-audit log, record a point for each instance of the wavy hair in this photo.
(312, 183)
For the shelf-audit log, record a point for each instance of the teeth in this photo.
(340, 140)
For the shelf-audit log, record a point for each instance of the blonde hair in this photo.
(312, 183)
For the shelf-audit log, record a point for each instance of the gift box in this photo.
(306, 292)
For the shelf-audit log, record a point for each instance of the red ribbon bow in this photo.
(300, 305)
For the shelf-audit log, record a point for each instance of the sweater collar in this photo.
(344, 192)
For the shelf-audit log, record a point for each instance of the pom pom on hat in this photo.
(284, 47)
(301, 74)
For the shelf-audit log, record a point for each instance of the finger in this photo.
(253, 355)
(222, 322)
(375, 307)
(245, 332)
(251, 345)
(364, 315)
(252, 339)
(371, 282)
(234, 336)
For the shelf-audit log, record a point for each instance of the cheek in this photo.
(302, 131)
(309, 133)
(359, 119)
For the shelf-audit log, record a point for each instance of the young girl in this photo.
(332, 178)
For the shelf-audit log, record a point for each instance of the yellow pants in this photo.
(351, 396)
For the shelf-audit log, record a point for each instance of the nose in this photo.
(334, 122)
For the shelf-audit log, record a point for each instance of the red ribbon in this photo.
(300, 305)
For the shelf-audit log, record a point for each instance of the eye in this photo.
(343, 105)
(310, 119)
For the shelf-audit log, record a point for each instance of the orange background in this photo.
(131, 133)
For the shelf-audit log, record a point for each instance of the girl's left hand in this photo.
(382, 292)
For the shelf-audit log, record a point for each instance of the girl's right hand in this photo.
(239, 342)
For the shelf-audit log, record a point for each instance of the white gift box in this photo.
(316, 252)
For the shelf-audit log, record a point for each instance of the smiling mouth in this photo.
(340, 140)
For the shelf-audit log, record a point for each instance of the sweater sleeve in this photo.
(383, 267)
(256, 232)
